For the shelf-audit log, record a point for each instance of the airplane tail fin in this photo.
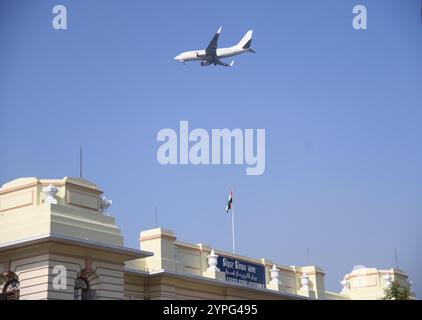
(246, 41)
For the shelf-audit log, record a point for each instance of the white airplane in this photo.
(212, 55)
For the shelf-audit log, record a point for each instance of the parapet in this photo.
(72, 207)
(369, 283)
(201, 260)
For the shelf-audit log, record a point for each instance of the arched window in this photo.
(11, 290)
(82, 290)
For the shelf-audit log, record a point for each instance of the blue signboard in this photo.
(242, 272)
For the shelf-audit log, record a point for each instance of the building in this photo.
(57, 241)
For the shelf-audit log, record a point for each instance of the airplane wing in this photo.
(212, 47)
(224, 64)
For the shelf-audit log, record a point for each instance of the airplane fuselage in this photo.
(212, 54)
(201, 55)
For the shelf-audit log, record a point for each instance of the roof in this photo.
(127, 253)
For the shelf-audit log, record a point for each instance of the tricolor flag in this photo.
(229, 202)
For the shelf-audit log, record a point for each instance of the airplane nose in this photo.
(177, 57)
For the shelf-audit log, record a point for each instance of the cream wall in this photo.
(369, 283)
(35, 271)
(168, 285)
(68, 228)
(25, 213)
(191, 260)
(184, 258)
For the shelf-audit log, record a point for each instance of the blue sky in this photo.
(341, 108)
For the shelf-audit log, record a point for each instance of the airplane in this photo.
(212, 55)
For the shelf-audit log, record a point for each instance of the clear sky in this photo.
(341, 108)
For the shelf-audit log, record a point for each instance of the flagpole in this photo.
(234, 248)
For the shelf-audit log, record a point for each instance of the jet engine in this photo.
(205, 63)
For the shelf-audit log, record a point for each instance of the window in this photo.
(11, 290)
(82, 291)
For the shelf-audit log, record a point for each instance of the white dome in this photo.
(359, 266)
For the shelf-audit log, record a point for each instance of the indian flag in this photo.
(229, 202)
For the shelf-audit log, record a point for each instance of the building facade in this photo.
(57, 241)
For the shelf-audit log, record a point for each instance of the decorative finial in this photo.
(275, 275)
(212, 261)
(345, 284)
(50, 191)
(105, 204)
(387, 280)
(304, 282)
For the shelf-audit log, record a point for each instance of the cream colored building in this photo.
(57, 241)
